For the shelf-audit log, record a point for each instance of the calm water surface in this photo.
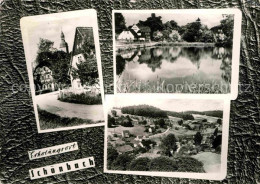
(169, 65)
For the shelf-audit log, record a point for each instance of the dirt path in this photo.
(160, 134)
(50, 103)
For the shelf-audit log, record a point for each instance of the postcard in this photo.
(64, 67)
(170, 137)
(180, 52)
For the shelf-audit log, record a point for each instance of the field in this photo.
(136, 130)
(211, 161)
(209, 118)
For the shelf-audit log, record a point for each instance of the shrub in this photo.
(189, 164)
(83, 98)
(140, 164)
(122, 162)
(163, 164)
(140, 150)
(112, 154)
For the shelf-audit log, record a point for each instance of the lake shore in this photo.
(133, 45)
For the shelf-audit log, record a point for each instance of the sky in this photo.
(50, 27)
(177, 105)
(210, 20)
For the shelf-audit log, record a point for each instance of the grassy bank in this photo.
(51, 121)
(83, 98)
(134, 45)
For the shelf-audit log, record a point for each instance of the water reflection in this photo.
(174, 65)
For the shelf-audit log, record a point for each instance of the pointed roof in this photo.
(81, 34)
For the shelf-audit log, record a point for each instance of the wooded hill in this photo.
(154, 112)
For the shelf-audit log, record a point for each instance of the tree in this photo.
(215, 132)
(160, 122)
(174, 36)
(204, 120)
(169, 144)
(180, 122)
(122, 162)
(219, 121)
(114, 113)
(147, 143)
(227, 25)
(44, 45)
(120, 64)
(207, 36)
(155, 24)
(157, 36)
(86, 72)
(192, 31)
(166, 34)
(110, 121)
(119, 23)
(112, 154)
(217, 141)
(58, 62)
(198, 138)
(140, 164)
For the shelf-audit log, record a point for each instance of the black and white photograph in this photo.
(63, 61)
(147, 135)
(176, 51)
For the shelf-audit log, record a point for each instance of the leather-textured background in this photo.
(18, 132)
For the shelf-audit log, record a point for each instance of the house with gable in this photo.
(126, 35)
(126, 134)
(141, 33)
(83, 35)
(44, 74)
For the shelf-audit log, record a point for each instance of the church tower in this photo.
(63, 44)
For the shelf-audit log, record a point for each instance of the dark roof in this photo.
(133, 32)
(81, 34)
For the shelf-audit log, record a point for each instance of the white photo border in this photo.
(54, 17)
(235, 48)
(208, 176)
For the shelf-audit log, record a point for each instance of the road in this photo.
(160, 134)
(50, 103)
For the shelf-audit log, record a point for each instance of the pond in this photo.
(174, 69)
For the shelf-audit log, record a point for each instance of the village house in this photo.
(138, 138)
(82, 35)
(126, 133)
(150, 130)
(141, 33)
(135, 33)
(126, 35)
(44, 74)
(135, 142)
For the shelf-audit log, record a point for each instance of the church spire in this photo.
(63, 43)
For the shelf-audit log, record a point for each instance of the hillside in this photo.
(215, 113)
